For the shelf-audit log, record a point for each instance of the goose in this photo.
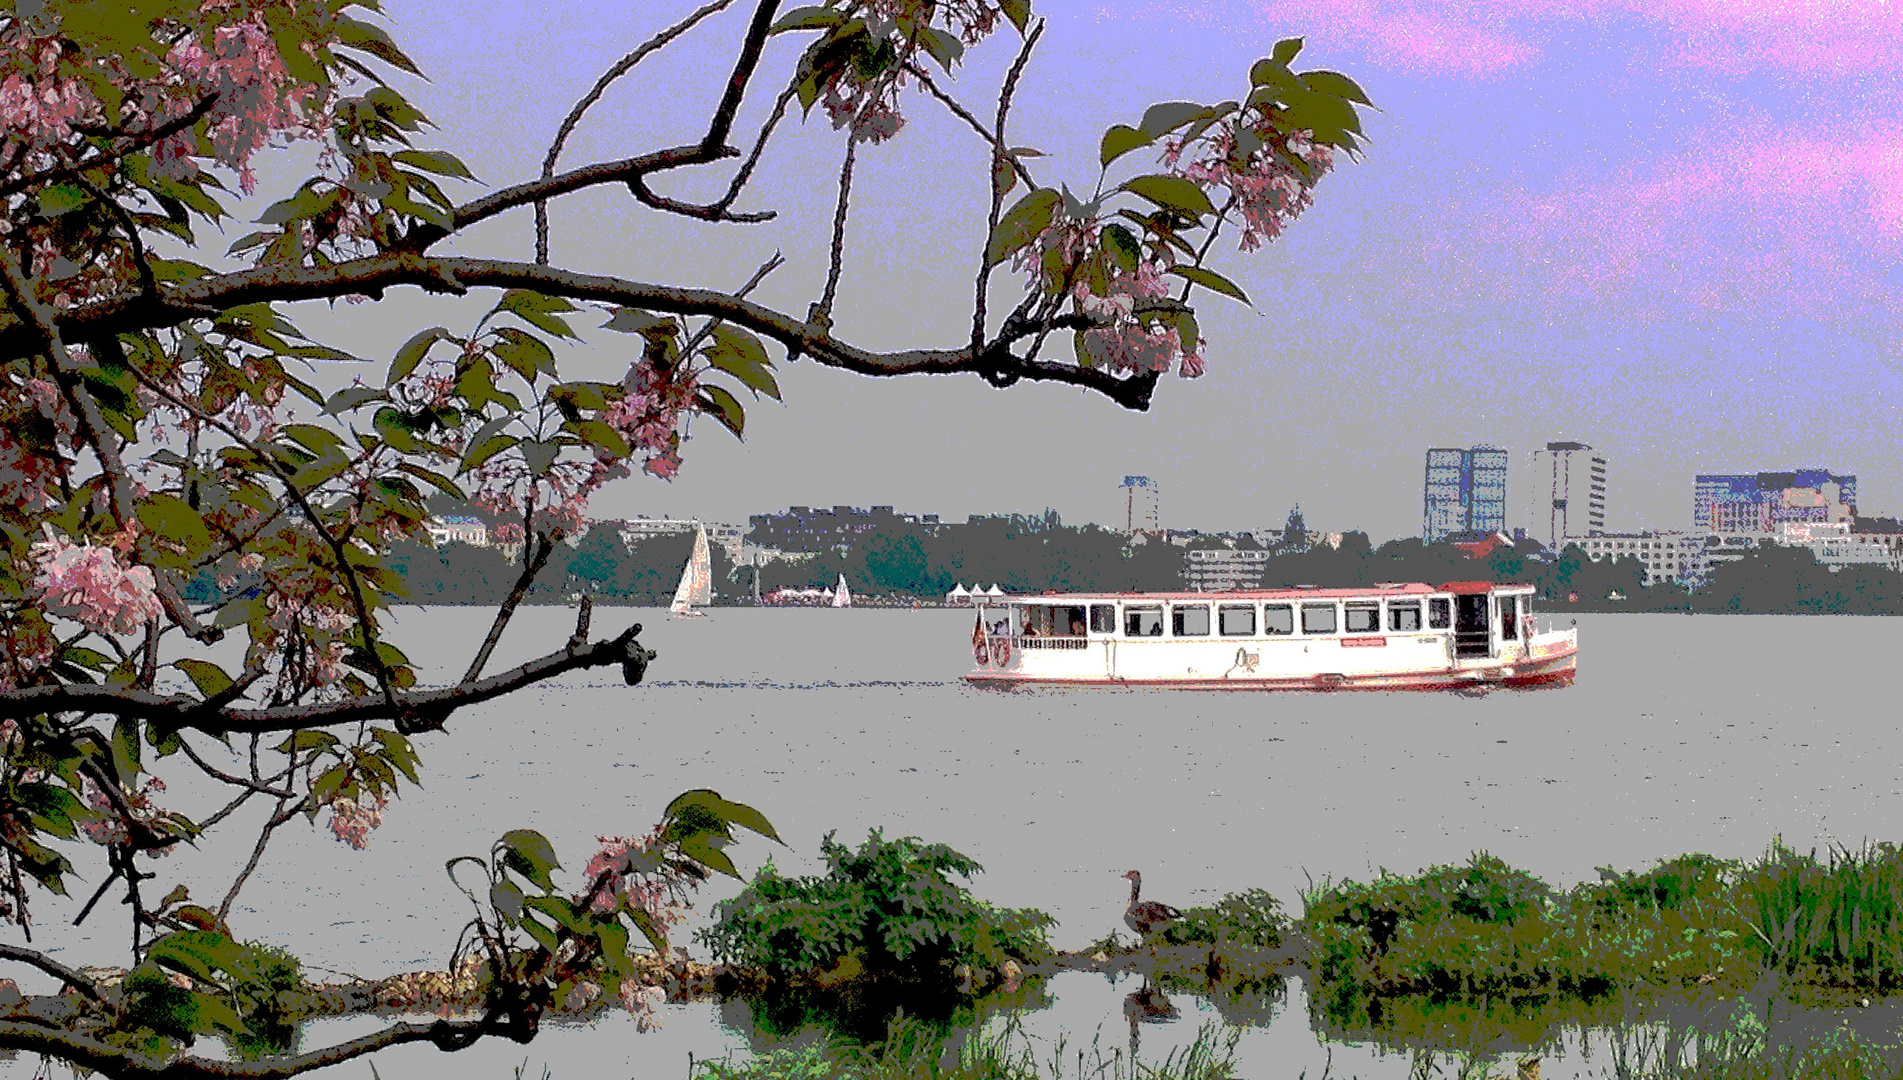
(1146, 916)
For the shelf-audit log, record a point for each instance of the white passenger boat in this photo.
(1387, 637)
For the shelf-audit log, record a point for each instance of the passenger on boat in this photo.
(1076, 624)
(1029, 630)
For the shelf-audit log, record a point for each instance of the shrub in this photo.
(890, 907)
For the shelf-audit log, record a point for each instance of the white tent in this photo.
(994, 590)
(842, 598)
(958, 595)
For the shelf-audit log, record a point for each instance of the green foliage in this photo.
(890, 908)
(196, 982)
(1839, 921)
(1252, 919)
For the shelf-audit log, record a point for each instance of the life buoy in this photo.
(980, 654)
(1003, 649)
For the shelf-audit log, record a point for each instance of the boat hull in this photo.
(1549, 671)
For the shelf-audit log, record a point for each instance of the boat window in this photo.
(1440, 613)
(1318, 618)
(1238, 620)
(1508, 628)
(1363, 616)
(1189, 620)
(1073, 624)
(1103, 618)
(1277, 619)
(1143, 622)
(1404, 616)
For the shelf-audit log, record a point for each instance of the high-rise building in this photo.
(1142, 506)
(1465, 492)
(1756, 503)
(1568, 491)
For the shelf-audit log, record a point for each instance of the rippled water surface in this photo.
(1681, 734)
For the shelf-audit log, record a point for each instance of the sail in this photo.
(842, 598)
(697, 578)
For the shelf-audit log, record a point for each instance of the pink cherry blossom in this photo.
(641, 1000)
(353, 820)
(89, 584)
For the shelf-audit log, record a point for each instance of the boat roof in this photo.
(1372, 592)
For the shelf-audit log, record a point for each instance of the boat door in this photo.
(1473, 636)
(1103, 636)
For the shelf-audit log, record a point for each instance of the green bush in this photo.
(1251, 920)
(1838, 922)
(890, 906)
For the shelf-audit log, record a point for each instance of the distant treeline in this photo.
(926, 562)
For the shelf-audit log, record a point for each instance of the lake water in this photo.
(1706, 733)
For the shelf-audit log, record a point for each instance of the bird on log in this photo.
(1146, 916)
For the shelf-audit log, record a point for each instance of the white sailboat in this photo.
(697, 581)
(843, 597)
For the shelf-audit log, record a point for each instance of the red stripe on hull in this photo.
(1551, 671)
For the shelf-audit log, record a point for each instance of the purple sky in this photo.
(1668, 228)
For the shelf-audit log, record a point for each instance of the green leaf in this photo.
(440, 162)
(598, 434)
(1209, 279)
(701, 849)
(317, 440)
(309, 739)
(945, 48)
(539, 455)
(353, 397)
(523, 353)
(740, 354)
(1171, 193)
(482, 451)
(413, 351)
(1285, 50)
(529, 853)
(209, 678)
(363, 37)
(506, 897)
(538, 310)
(1122, 247)
(1165, 117)
(1018, 11)
(1022, 224)
(809, 18)
(1269, 74)
(726, 810)
(60, 199)
(1334, 84)
(442, 483)
(724, 407)
(1119, 140)
(174, 519)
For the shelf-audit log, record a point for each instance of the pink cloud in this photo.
(1454, 39)
(1781, 224)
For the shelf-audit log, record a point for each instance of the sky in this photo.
(1666, 228)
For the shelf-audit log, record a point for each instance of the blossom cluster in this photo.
(649, 416)
(109, 827)
(1269, 188)
(256, 98)
(640, 1000)
(869, 107)
(353, 820)
(628, 872)
(92, 585)
(1133, 339)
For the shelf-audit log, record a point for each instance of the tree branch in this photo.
(52, 967)
(373, 274)
(998, 154)
(416, 710)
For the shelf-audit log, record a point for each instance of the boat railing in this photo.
(1049, 642)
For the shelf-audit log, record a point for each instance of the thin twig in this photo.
(620, 68)
(998, 152)
(823, 311)
(759, 146)
(759, 275)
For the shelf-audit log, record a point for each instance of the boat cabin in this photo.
(1369, 633)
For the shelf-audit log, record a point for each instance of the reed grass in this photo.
(913, 1050)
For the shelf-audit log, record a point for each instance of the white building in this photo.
(1836, 546)
(1224, 569)
(1568, 492)
(1142, 505)
(462, 530)
(1668, 556)
(731, 537)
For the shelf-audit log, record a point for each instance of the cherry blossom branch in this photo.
(134, 144)
(752, 283)
(822, 313)
(412, 711)
(750, 50)
(41, 328)
(127, 1064)
(620, 68)
(52, 967)
(759, 146)
(278, 817)
(996, 143)
(372, 275)
(538, 547)
(998, 152)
